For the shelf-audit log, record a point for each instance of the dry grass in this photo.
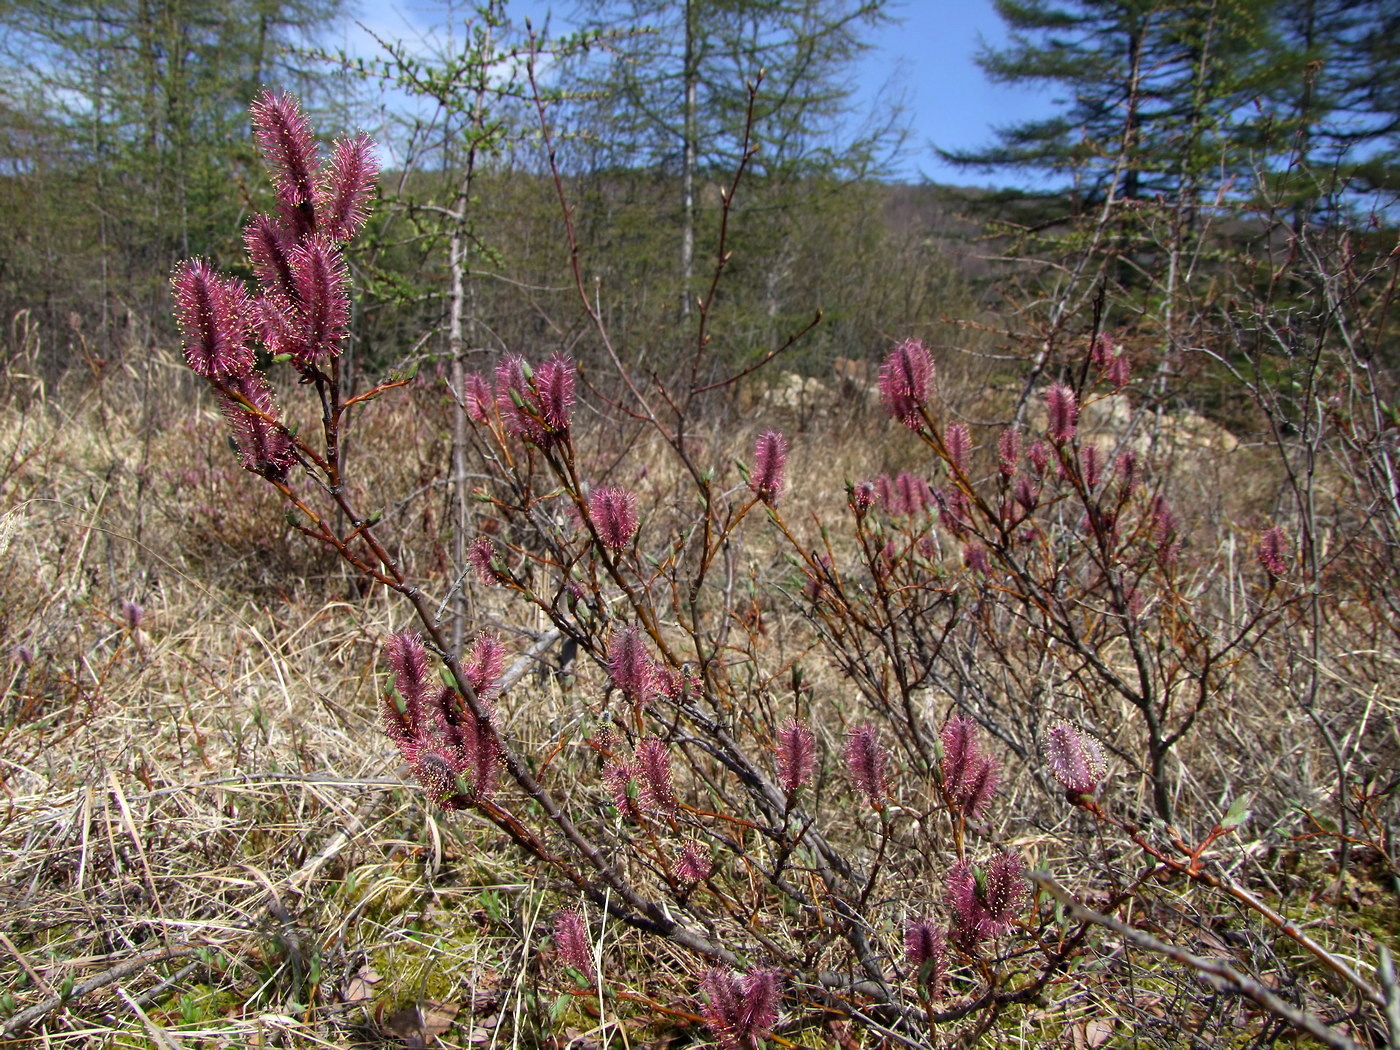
(206, 841)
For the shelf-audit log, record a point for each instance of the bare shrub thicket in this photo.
(1026, 737)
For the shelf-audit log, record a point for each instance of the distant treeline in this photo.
(124, 148)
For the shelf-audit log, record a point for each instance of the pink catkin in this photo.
(1063, 413)
(927, 952)
(630, 665)
(345, 187)
(450, 752)
(654, 767)
(1006, 890)
(554, 386)
(614, 515)
(1273, 552)
(740, 1011)
(1119, 371)
(911, 494)
(1076, 760)
(268, 244)
(770, 463)
(412, 678)
(1008, 451)
(1026, 492)
(958, 442)
(572, 945)
(485, 664)
(284, 138)
(886, 494)
(797, 756)
(322, 315)
(263, 446)
(985, 907)
(623, 781)
(516, 400)
(975, 558)
(1039, 457)
(862, 497)
(1129, 471)
(478, 398)
(693, 864)
(866, 761)
(534, 405)
(215, 314)
(1164, 526)
(906, 379)
(1091, 465)
(969, 776)
(484, 557)
(1101, 352)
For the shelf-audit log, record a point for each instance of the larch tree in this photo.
(667, 90)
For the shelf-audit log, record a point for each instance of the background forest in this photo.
(1060, 708)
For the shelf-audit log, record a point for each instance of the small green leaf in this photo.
(1237, 814)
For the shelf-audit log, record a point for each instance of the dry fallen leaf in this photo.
(419, 1024)
(360, 988)
(1097, 1032)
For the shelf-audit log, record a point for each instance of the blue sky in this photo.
(927, 55)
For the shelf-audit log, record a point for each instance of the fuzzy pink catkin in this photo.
(985, 904)
(740, 1011)
(927, 952)
(132, 614)
(1006, 890)
(483, 556)
(1101, 352)
(1039, 457)
(264, 447)
(554, 392)
(478, 398)
(284, 138)
(693, 864)
(1273, 552)
(1119, 371)
(862, 497)
(975, 558)
(769, 464)
(630, 665)
(1026, 492)
(516, 400)
(654, 767)
(1091, 465)
(623, 781)
(866, 761)
(412, 677)
(572, 945)
(215, 314)
(1063, 413)
(797, 756)
(958, 441)
(1008, 451)
(345, 187)
(1076, 759)
(886, 494)
(911, 494)
(614, 515)
(268, 245)
(969, 776)
(906, 379)
(323, 315)
(485, 664)
(1165, 528)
